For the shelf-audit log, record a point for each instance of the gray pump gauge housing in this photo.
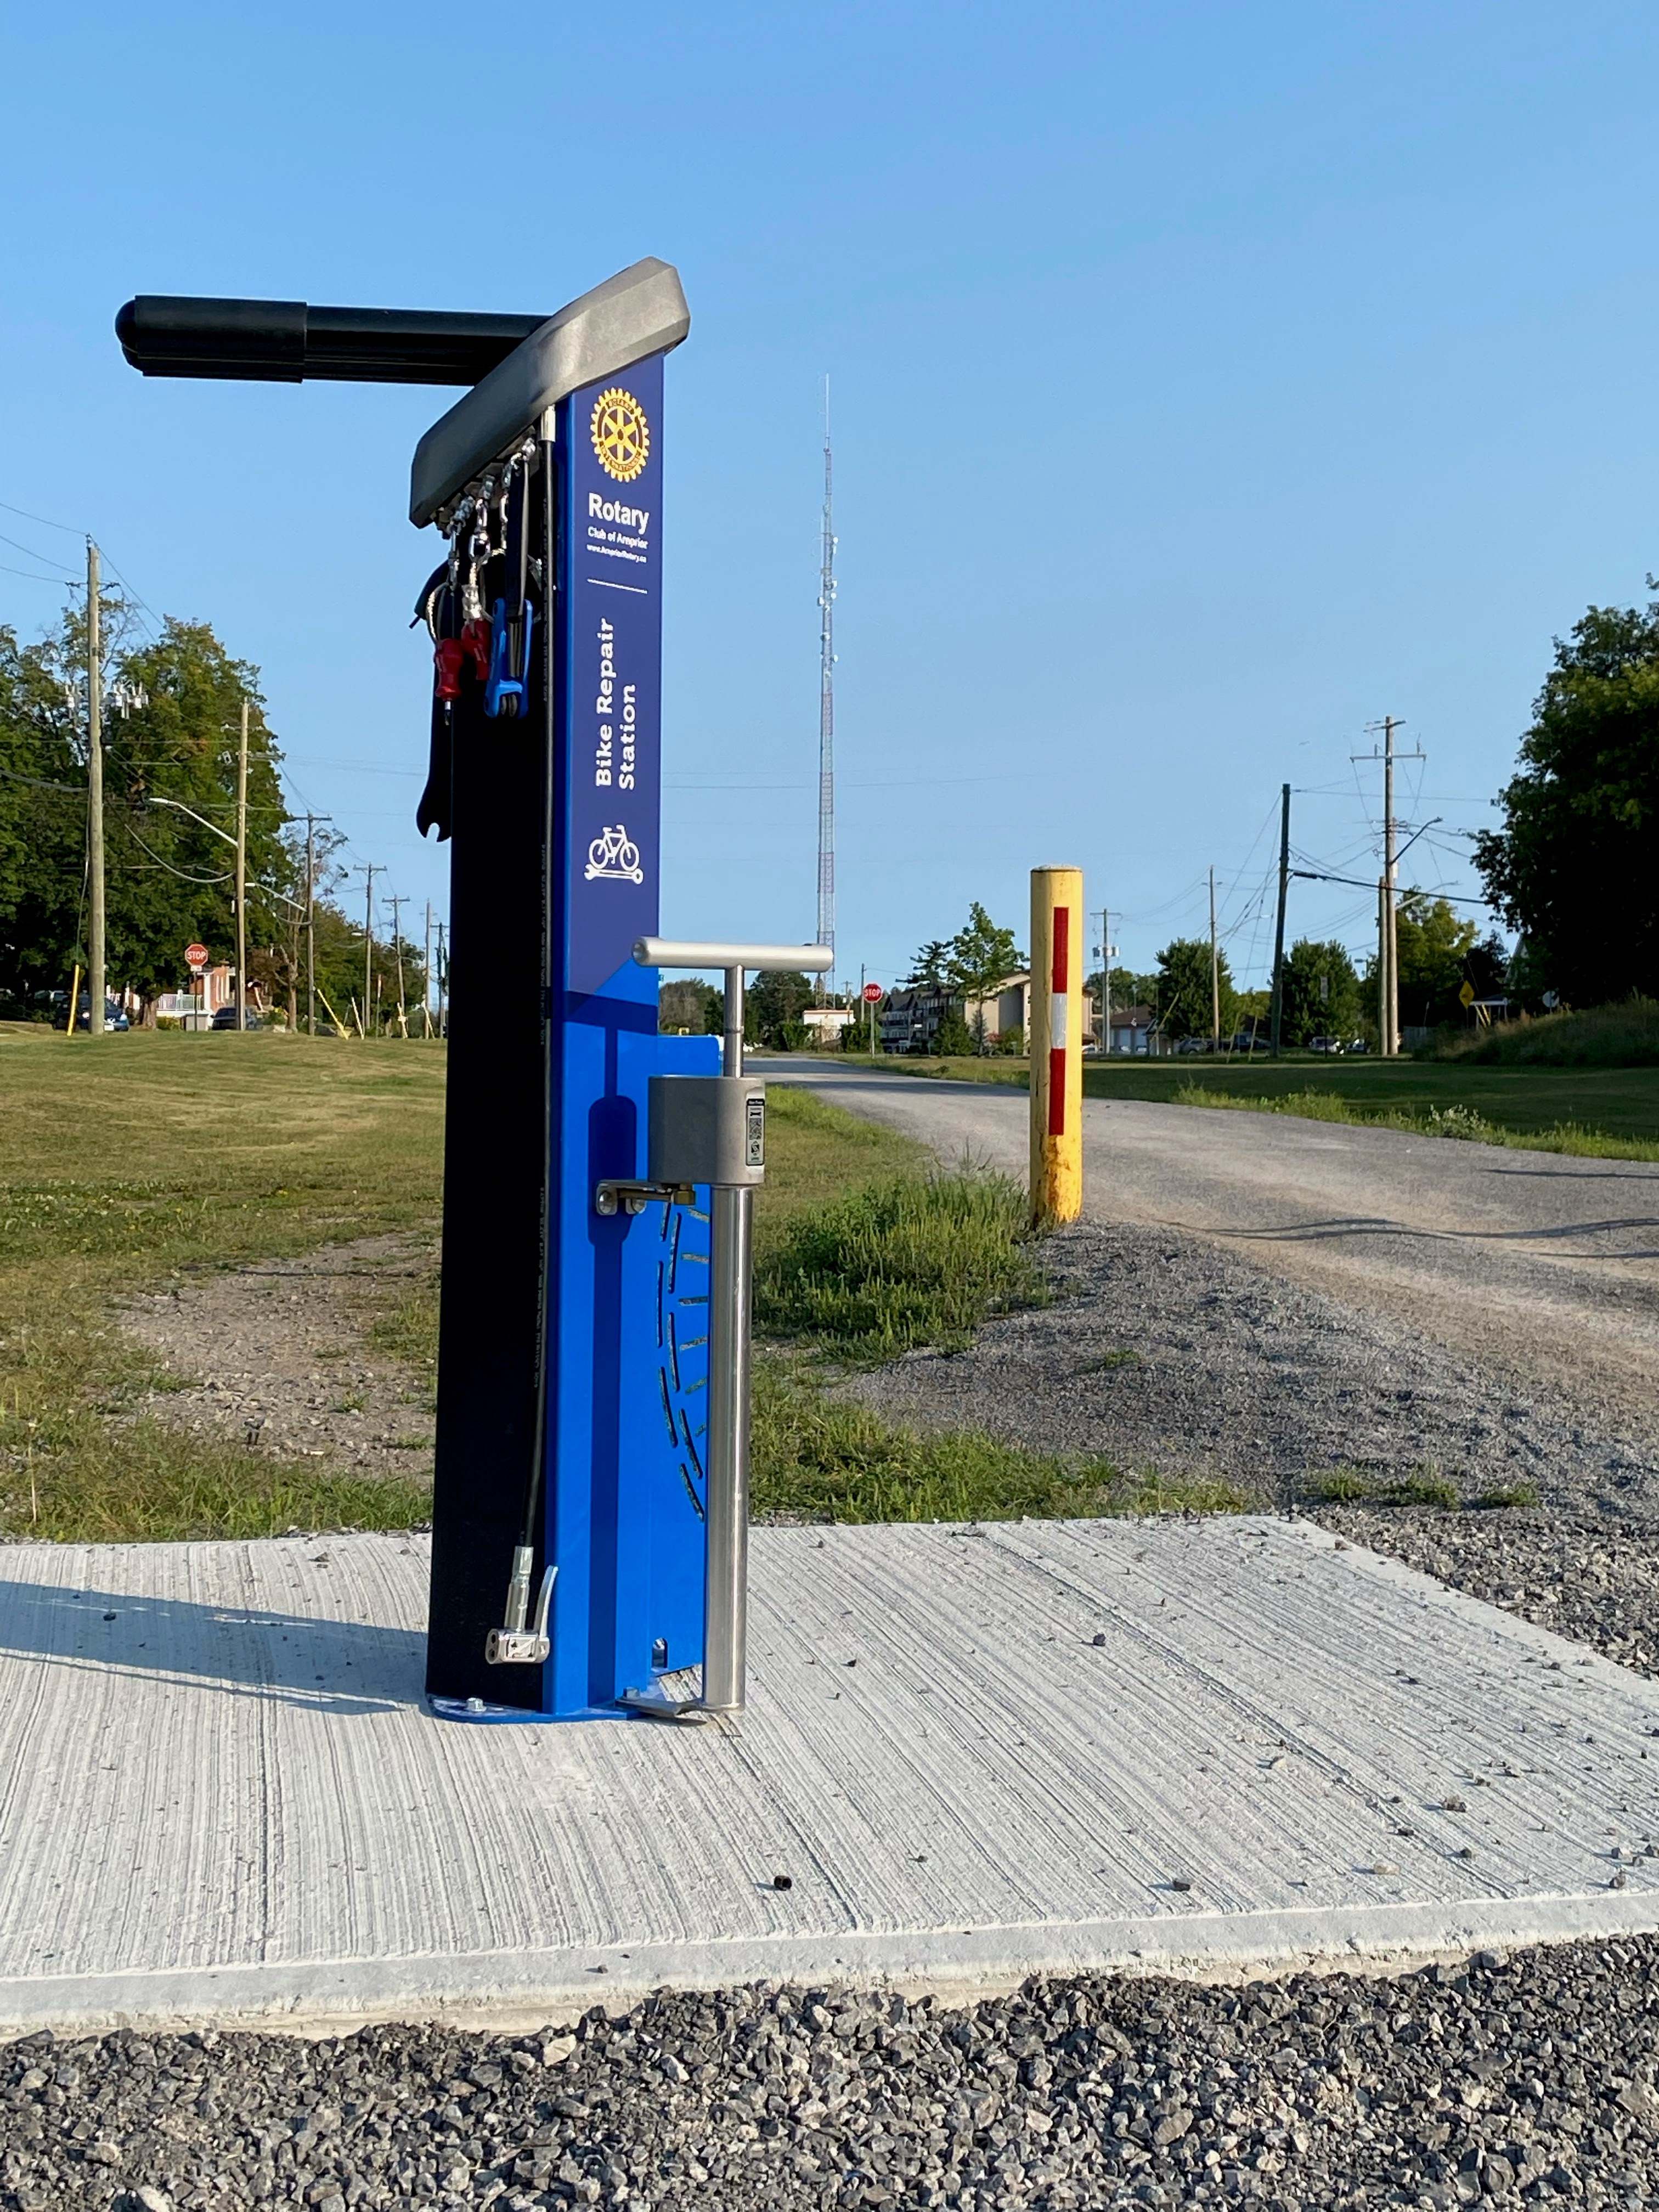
(707, 1129)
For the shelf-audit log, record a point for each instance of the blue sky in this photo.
(1209, 381)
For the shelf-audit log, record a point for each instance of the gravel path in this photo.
(277, 1357)
(1167, 1351)
(1541, 1268)
(1527, 2079)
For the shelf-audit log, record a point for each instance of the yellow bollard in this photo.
(1056, 1044)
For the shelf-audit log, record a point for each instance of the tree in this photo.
(688, 1006)
(953, 1039)
(1575, 865)
(1439, 953)
(980, 955)
(169, 772)
(42, 832)
(1183, 989)
(928, 969)
(1322, 991)
(772, 1010)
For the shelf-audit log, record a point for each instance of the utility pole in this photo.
(1391, 1027)
(368, 944)
(397, 902)
(1383, 962)
(426, 973)
(1105, 979)
(1215, 976)
(1278, 930)
(241, 875)
(311, 820)
(827, 707)
(443, 978)
(95, 979)
(1388, 935)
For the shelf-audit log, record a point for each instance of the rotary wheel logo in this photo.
(621, 435)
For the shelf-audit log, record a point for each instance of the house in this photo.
(1008, 1006)
(911, 1016)
(825, 1024)
(194, 1008)
(990, 1016)
(1133, 1029)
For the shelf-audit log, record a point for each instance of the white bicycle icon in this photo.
(614, 857)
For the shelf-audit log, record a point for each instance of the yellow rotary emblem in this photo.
(621, 435)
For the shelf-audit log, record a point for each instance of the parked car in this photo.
(1356, 1044)
(1247, 1041)
(1192, 1044)
(1324, 1044)
(115, 1014)
(226, 1019)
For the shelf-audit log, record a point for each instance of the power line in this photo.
(45, 520)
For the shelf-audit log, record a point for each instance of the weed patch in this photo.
(816, 1459)
(911, 1261)
(1353, 1486)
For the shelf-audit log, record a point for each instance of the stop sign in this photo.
(872, 991)
(196, 955)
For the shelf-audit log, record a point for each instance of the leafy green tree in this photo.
(1575, 865)
(42, 832)
(979, 957)
(1322, 991)
(169, 786)
(772, 1010)
(1183, 989)
(928, 967)
(1439, 953)
(953, 1039)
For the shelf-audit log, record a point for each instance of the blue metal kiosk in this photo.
(598, 1175)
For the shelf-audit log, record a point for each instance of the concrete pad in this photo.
(977, 1752)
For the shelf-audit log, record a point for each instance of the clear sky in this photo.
(1209, 381)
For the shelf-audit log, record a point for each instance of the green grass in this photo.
(135, 1159)
(1592, 1100)
(1351, 1485)
(817, 1459)
(1463, 1122)
(1357, 1485)
(915, 1260)
(1623, 1034)
(130, 1159)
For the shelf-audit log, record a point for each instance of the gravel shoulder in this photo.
(279, 1356)
(1164, 1351)
(1525, 2079)
(1540, 1268)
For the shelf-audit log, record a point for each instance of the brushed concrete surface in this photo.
(975, 1752)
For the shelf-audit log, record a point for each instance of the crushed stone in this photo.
(1525, 2079)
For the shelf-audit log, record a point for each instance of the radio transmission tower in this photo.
(827, 706)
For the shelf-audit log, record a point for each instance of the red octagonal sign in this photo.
(196, 955)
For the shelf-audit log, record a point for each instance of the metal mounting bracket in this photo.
(615, 1196)
(520, 1646)
(656, 1705)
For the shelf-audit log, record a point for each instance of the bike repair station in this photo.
(591, 1504)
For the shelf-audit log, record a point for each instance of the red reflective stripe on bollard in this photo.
(1057, 1094)
(1063, 946)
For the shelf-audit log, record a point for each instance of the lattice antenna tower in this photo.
(827, 704)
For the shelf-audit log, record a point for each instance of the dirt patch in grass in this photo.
(285, 1359)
